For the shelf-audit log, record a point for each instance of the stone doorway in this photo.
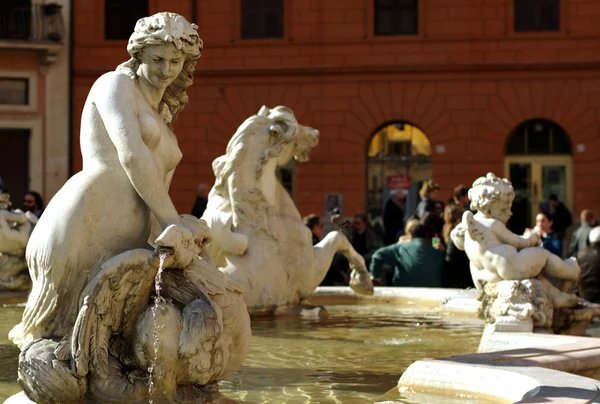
(538, 161)
(398, 158)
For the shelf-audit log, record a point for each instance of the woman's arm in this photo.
(113, 96)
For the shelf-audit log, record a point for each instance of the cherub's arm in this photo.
(508, 237)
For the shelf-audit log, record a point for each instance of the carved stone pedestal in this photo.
(516, 306)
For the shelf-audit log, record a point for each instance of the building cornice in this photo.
(474, 68)
(47, 50)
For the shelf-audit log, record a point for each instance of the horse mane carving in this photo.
(248, 204)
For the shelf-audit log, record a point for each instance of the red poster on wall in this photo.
(398, 182)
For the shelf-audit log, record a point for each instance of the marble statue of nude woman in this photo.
(109, 318)
(121, 195)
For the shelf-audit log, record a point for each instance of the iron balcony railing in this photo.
(40, 22)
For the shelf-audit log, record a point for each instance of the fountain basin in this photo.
(427, 336)
(356, 355)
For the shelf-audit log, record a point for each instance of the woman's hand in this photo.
(179, 244)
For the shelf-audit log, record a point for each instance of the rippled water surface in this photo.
(356, 355)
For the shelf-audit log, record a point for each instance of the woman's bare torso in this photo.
(98, 213)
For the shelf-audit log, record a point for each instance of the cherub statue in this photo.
(497, 254)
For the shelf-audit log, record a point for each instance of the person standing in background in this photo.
(589, 261)
(560, 215)
(544, 228)
(416, 262)
(429, 196)
(461, 197)
(457, 271)
(313, 222)
(393, 218)
(580, 237)
(363, 238)
(33, 202)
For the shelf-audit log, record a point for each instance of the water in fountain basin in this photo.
(353, 357)
(158, 300)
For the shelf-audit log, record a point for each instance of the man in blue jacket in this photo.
(416, 262)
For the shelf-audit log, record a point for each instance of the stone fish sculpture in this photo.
(126, 306)
(15, 228)
(259, 238)
(509, 269)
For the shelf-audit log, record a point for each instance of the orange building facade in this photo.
(34, 96)
(486, 94)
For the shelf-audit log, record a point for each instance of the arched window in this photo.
(539, 164)
(398, 157)
(538, 136)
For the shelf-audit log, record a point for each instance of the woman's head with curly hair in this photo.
(161, 29)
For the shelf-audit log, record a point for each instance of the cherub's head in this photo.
(492, 196)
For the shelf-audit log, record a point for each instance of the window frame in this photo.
(563, 15)
(32, 91)
(286, 21)
(522, 133)
(106, 19)
(536, 4)
(370, 25)
(373, 27)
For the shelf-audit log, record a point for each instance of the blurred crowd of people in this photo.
(32, 201)
(416, 249)
(409, 250)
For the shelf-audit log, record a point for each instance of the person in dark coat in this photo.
(560, 215)
(457, 271)
(416, 262)
(589, 262)
(461, 197)
(580, 238)
(545, 229)
(435, 223)
(201, 200)
(313, 222)
(363, 238)
(393, 218)
(33, 202)
(429, 196)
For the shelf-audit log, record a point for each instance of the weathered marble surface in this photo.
(259, 238)
(126, 305)
(511, 270)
